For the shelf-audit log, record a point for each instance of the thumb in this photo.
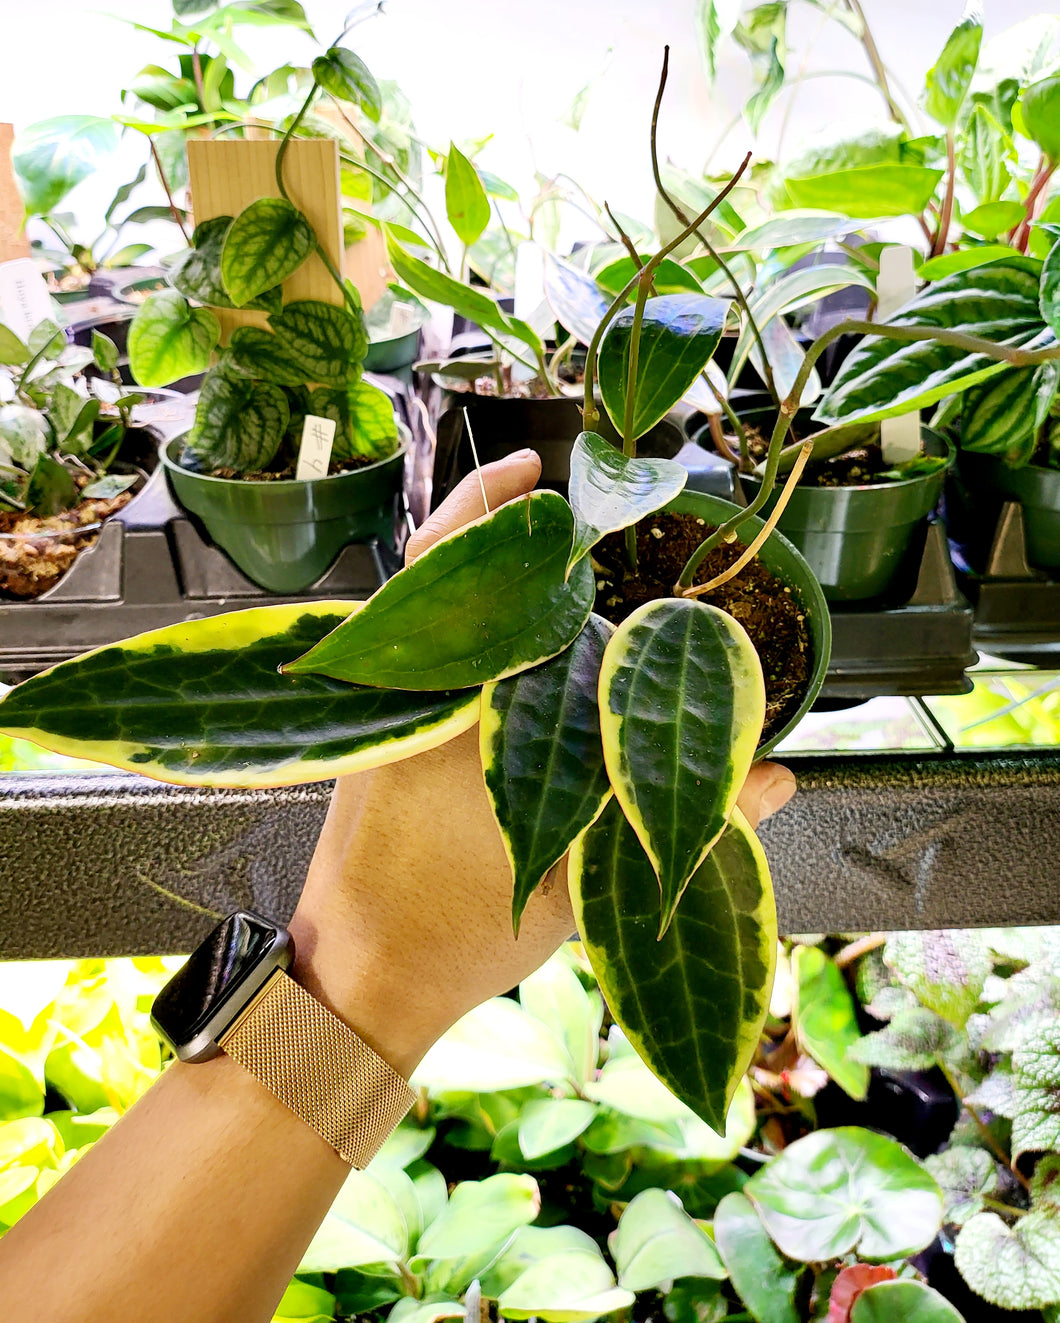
(503, 481)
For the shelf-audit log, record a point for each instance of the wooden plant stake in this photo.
(13, 240)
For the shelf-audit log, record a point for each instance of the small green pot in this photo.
(861, 542)
(284, 535)
(783, 559)
(987, 481)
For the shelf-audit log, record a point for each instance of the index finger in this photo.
(504, 480)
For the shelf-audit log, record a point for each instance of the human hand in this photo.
(405, 921)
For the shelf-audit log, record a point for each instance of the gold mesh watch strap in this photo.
(319, 1068)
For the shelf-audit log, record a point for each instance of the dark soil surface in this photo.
(44, 549)
(286, 474)
(769, 610)
(854, 469)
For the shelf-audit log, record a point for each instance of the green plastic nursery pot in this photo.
(987, 482)
(284, 535)
(862, 541)
(783, 559)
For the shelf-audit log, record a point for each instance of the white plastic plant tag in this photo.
(24, 298)
(899, 437)
(402, 319)
(314, 451)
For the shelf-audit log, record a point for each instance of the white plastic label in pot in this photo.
(24, 298)
(899, 437)
(314, 452)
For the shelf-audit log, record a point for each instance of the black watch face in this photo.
(212, 974)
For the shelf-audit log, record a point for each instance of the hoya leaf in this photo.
(364, 420)
(260, 355)
(946, 969)
(326, 343)
(196, 273)
(480, 1214)
(53, 155)
(574, 297)
(554, 993)
(267, 242)
(825, 1019)
(682, 702)
(203, 703)
(345, 75)
(466, 204)
(542, 758)
(679, 335)
(239, 423)
(846, 1189)
(1015, 1267)
(496, 1046)
(169, 339)
(950, 76)
(763, 1281)
(572, 1286)
(693, 1002)
(486, 602)
(1040, 109)
(609, 491)
(550, 1123)
(104, 351)
(903, 1302)
(364, 1225)
(656, 1241)
(1036, 1066)
(883, 378)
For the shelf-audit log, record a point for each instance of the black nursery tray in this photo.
(1017, 608)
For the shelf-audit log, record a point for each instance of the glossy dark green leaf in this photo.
(903, 1302)
(950, 76)
(53, 155)
(846, 1189)
(486, 602)
(825, 1018)
(326, 343)
(197, 270)
(542, 758)
(239, 423)
(682, 701)
(261, 355)
(670, 277)
(51, 489)
(363, 416)
(609, 491)
(574, 297)
(267, 242)
(346, 76)
(679, 335)
(169, 339)
(467, 207)
(883, 378)
(203, 703)
(692, 1003)
(1040, 112)
(763, 1281)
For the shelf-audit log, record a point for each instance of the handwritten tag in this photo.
(899, 437)
(24, 298)
(314, 452)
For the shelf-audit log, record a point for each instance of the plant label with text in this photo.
(314, 452)
(24, 298)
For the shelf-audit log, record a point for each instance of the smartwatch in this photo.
(234, 995)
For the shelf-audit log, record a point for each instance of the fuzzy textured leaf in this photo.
(197, 271)
(679, 335)
(203, 703)
(267, 242)
(483, 603)
(763, 1281)
(846, 1189)
(609, 491)
(325, 343)
(916, 1039)
(964, 1175)
(825, 1019)
(169, 339)
(239, 423)
(946, 969)
(693, 1002)
(682, 701)
(542, 757)
(1015, 1267)
(1036, 1066)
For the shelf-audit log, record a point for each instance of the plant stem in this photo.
(629, 441)
(946, 216)
(984, 1130)
(626, 241)
(196, 69)
(174, 209)
(288, 135)
(734, 423)
(868, 42)
(1043, 172)
(590, 414)
(738, 294)
(858, 948)
(998, 1207)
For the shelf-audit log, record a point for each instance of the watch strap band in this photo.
(318, 1067)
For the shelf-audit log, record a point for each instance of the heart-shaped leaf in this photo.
(202, 703)
(480, 1214)
(696, 1027)
(847, 1189)
(682, 702)
(363, 416)
(542, 758)
(483, 603)
(169, 339)
(466, 205)
(679, 335)
(555, 994)
(656, 1241)
(267, 242)
(325, 343)
(1015, 1267)
(903, 1302)
(260, 355)
(549, 1123)
(572, 1286)
(574, 297)
(53, 155)
(946, 969)
(609, 490)
(346, 76)
(197, 271)
(763, 1281)
(239, 423)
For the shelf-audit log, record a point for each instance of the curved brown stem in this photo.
(946, 215)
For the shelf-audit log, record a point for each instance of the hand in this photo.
(405, 921)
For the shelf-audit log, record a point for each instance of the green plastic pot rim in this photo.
(282, 484)
(891, 484)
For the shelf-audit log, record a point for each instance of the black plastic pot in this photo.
(981, 485)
